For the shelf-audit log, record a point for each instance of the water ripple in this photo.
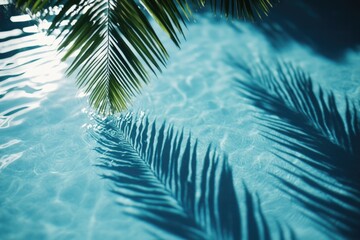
(29, 70)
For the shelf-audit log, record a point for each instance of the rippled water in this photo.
(49, 188)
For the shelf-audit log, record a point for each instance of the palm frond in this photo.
(158, 170)
(114, 38)
(115, 44)
(310, 123)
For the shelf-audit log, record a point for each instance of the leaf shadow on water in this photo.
(309, 127)
(158, 171)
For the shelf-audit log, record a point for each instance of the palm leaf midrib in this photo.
(167, 190)
(108, 71)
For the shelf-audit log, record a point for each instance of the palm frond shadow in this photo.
(303, 121)
(163, 188)
(158, 172)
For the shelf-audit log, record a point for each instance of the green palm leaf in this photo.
(113, 37)
(310, 123)
(115, 45)
(158, 170)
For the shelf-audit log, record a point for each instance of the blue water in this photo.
(49, 186)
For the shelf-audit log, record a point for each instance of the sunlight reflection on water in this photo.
(30, 69)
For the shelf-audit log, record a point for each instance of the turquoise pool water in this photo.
(49, 186)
